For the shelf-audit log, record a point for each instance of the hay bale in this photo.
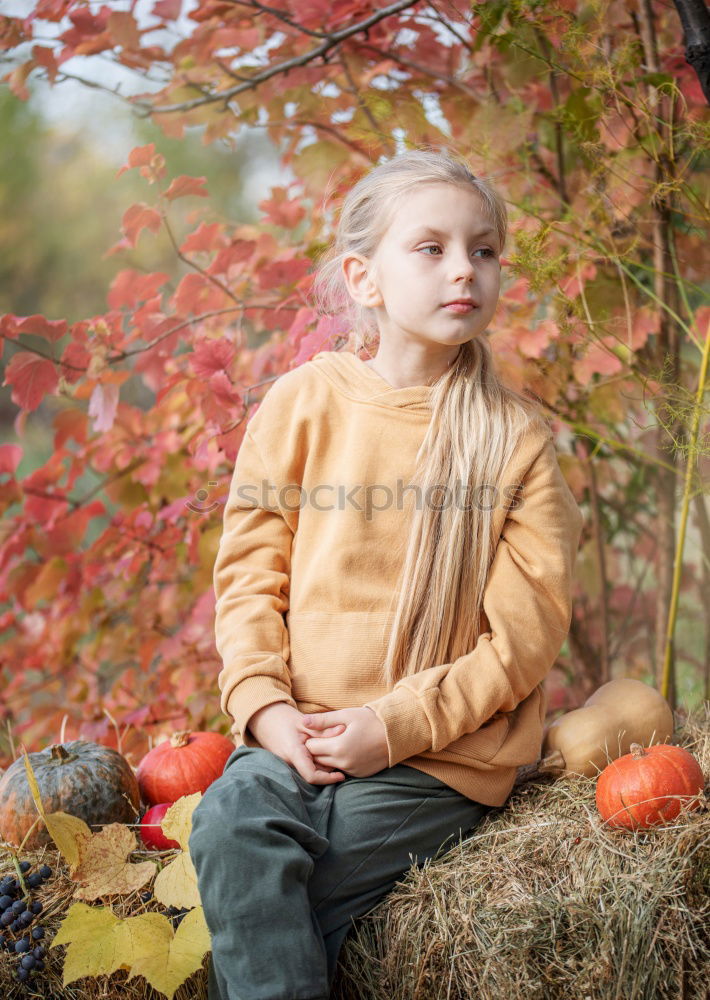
(540, 902)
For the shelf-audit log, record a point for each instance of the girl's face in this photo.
(439, 246)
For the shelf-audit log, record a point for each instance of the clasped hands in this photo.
(356, 742)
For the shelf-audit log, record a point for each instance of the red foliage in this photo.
(106, 586)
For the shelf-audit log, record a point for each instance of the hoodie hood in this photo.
(356, 380)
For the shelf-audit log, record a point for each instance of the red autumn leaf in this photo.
(281, 210)
(122, 244)
(16, 79)
(168, 384)
(137, 218)
(150, 163)
(532, 343)
(226, 38)
(44, 56)
(224, 393)
(50, 329)
(517, 291)
(238, 252)
(123, 29)
(10, 458)
(88, 22)
(212, 356)
(205, 237)
(327, 330)
(645, 322)
(7, 331)
(130, 287)
(147, 318)
(598, 359)
(103, 405)
(74, 361)
(184, 185)
(68, 534)
(44, 510)
(168, 10)
(573, 284)
(32, 378)
(51, 10)
(281, 273)
(197, 294)
(69, 423)
(149, 472)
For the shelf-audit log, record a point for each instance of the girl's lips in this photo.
(459, 307)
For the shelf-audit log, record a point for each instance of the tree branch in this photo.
(330, 42)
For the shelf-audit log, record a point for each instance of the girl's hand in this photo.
(361, 750)
(279, 728)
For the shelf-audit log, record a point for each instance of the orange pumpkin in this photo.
(186, 763)
(648, 787)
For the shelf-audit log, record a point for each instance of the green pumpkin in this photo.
(81, 778)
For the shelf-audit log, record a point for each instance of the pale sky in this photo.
(72, 107)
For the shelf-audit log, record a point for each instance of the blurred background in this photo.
(61, 205)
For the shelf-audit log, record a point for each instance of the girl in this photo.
(393, 584)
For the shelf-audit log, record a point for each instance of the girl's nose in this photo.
(463, 268)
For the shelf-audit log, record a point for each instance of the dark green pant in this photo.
(283, 865)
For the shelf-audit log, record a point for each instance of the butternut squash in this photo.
(619, 713)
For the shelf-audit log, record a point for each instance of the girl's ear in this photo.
(357, 272)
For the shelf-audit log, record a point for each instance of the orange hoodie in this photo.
(311, 552)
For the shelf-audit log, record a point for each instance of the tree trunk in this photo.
(695, 18)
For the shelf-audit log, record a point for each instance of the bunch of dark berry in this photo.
(17, 913)
(174, 914)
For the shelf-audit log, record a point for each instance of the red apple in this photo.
(150, 831)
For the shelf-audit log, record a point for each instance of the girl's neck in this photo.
(400, 376)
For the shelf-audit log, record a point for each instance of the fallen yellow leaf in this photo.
(95, 939)
(177, 821)
(98, 943)
(103, 867)
(166, 959)
(176, 884)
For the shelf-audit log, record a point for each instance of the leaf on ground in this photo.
(177, 821)
(103, 867)
(99, 943)
(95, 941)
(176, 884)
(166, 958)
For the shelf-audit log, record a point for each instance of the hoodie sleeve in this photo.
(528, 606)
(251, 584)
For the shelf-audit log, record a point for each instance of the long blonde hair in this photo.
(476, 425)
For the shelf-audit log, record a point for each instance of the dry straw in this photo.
(540, 902)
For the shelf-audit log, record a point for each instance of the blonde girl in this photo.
(393, 584)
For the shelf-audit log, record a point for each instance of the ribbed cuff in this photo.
(250, 695)
(406, 726)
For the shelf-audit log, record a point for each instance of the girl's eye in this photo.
(486, 250)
